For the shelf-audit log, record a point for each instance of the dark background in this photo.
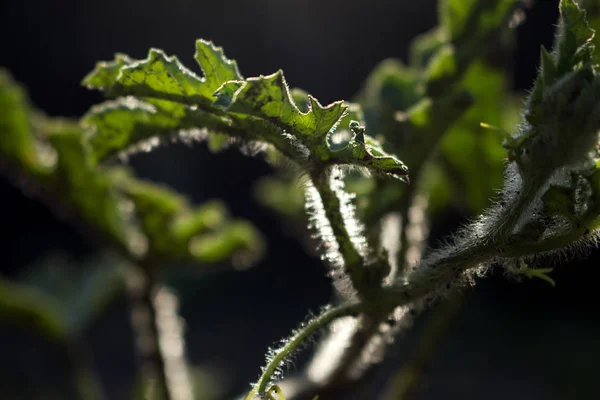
(526, 341)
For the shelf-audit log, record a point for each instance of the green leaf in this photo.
(412, 124)
(574, 42)
(126, 123)
(441, 71)
(466, 20)
(454, 15)
(140, 218)
(52, 153)
(164, 77)
(256, 109)
(269, 97)
(226, 93)
(549, 73)
(417, 129)
(17, 138)
(427, 121)
(563, 125)
(472, 157)
(573, 49)
(237, 241)
(217, 68)
(425, 46)
(391, 87)
(176, 231)
(106, 72)
(473, 28)
(301, 99)
(88, 190)
(117, 125)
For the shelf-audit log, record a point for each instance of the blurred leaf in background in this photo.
(59, 297)
(471, 162)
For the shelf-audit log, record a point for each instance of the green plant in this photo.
(372, 235)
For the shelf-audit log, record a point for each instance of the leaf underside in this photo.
(159, 96)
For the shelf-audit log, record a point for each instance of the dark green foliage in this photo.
(446, 115)
(174, 99)
(160, 223)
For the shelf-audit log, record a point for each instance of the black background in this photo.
(527, 341)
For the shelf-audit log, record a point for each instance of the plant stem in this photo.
(260, 388)
(370, 324)
(407, 377)
(413, 235)
(401, 255)
(352, 260)
(435, 272)
(143, 286)
(432, 274)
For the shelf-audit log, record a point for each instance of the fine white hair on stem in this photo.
(353, 226)
(321, 227)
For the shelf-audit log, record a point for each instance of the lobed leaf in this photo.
(164, 77)
(167, 98)
(119, 125)
(217, 68)
(268, 97)
(105, 73)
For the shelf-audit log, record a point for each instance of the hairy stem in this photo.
(412, 240)
(352, 260)
(413, 234)
(428, 277)
(401, 255)
(260, 388)
(435, 272)
(368, 326)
